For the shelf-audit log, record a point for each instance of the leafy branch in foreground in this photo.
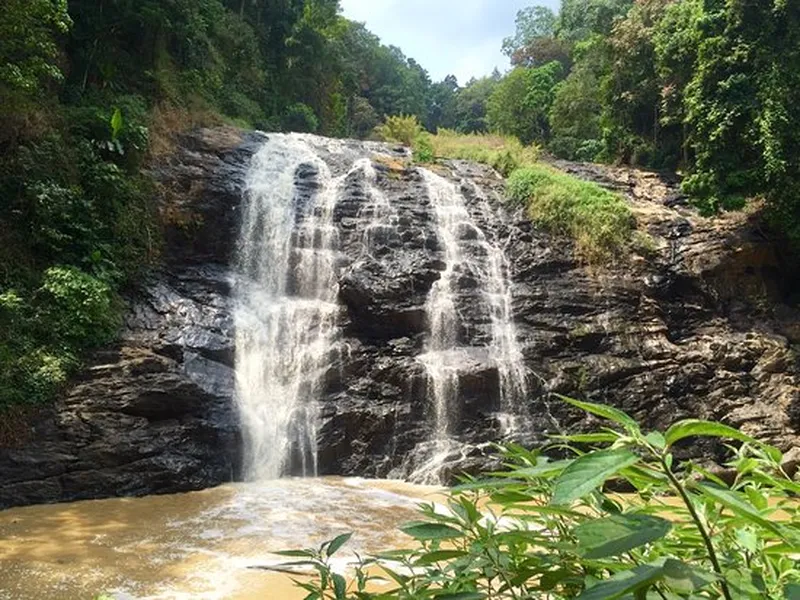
(546, 528)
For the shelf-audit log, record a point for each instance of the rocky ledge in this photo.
(695, 323)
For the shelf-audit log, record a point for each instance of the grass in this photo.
(600, 221)
(501, 152)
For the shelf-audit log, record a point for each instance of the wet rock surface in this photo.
(695, 324)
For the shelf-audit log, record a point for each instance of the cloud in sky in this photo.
(459, 37)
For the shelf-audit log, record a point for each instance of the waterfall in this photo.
(285, 306)
(464, 244)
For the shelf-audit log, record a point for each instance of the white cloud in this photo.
(461, 37)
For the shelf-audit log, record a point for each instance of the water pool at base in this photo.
(199, 545)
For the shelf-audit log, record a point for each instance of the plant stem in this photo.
(712, 554)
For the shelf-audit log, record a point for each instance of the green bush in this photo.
(423, 149)
(77, 307)
(598, 220)
(47, 329)
(549, 529)
(300, 118)
(401, 129)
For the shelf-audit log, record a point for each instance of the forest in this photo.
(91, 92)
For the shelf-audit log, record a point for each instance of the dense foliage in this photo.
(550, 529)
(707, 86)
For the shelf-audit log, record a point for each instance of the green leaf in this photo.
(297, 553)
(627, 582)
(588, 438)
(615, 535)
(656, 439)
(438, 556)
(431, 531)
(684, 579)
(589, 472)
(696, 427)
(339, 587)
(337, 543)
(732, 501)
(460, 596)
(605, 411)
(792, 591)
(117, 124)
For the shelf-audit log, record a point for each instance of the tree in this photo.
(442, 104)
(541, 51)
(575, 117)
(533, 23)
(29, 49)
(471, 105)
(632, 115)
(578, 19)
(742, 108)
(521, 102)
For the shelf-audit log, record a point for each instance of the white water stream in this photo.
(465, 245)
(286, 308)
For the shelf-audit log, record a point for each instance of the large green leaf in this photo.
(617, 534)
(696, 427)
(337, 543)
(589, 472)
(117, 123)
(339, 587)
(740, 507)
(460, 596)
(686, 579)
(605, 411)
(431, 531)
(621, 584)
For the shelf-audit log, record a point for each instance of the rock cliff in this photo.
(693, 324)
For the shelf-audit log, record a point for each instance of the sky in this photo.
(459, 37)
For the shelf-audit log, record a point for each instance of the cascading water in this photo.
(286, 308)
(286, 303)
(378, 214)
(445, 353)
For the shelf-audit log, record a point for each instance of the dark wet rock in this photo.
(699, 327)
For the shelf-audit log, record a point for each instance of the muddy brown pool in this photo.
(199, 546)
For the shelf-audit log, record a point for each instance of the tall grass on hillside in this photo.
(600, 221)
(502, 152)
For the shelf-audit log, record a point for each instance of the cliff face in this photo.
(693, 326)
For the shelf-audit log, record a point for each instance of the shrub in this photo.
(423, 149)
(400, 129)
(46, 330)
(77, 307)
(546, 528)
(599, 221)
(300, 118)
